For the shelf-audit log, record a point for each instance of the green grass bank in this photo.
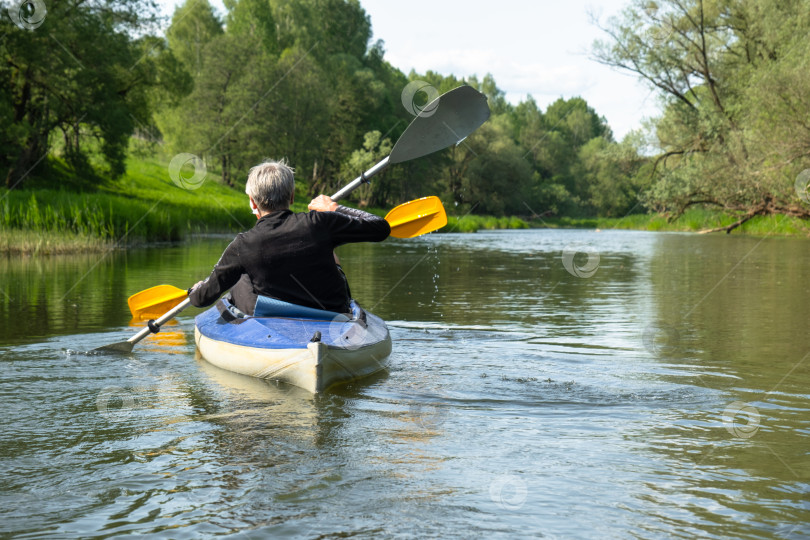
(145, 205)
(693, 220)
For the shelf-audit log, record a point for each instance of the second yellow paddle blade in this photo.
(154, 302)
(417, 217)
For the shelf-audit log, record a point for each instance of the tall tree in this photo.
(194, 25)
(80, 74)
(717, 65)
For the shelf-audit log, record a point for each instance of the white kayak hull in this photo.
(341, 351)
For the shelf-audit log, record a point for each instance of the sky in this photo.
(531, 47)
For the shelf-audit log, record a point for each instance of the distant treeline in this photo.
(301, 80)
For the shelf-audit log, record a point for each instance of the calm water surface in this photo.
(558, 384)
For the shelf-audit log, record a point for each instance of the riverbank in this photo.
(695, 220)
(87, 213)
(146, 206)
(143, 206)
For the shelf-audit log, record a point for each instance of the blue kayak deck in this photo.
(284, 332)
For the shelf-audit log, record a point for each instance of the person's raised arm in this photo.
(226, 273)
(359, 227)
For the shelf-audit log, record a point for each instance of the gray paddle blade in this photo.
(120, 347)
(443, 122)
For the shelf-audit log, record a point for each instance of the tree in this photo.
(216, 120)
(489, 172)
(610, 175)
(81, 74)
(375, 147)
(194, 25)
(730, 72)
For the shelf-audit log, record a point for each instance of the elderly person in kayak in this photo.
(288, 256)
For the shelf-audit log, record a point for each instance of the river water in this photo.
(544, 383)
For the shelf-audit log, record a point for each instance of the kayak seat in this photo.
(272, 307)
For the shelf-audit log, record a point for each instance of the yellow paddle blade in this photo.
(154, 302)
(417, 217)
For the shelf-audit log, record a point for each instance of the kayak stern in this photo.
(311, 354)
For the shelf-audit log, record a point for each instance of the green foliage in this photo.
(733, 75)
(472, 223)
(498, 178)
(692, 220)
(80, 76)
(194, 26)
(273, 79)
(374, 149)
(608, 174)
(142, 205)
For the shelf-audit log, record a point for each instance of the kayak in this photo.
(313, 351)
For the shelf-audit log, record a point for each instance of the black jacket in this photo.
(289, 257)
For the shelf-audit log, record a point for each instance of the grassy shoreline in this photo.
(694, 220)
(144, 206)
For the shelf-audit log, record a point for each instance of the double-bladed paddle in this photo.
(407, 220)
(445, 121)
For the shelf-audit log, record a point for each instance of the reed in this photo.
(694, 220)
(142, 206)
(18, 241)
(472, 223)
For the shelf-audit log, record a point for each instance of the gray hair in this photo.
(271, 185)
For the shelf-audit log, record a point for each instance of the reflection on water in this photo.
(171, 339)
(543, 383)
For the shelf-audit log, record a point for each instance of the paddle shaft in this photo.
(163, 319)
(445, 121)
(362, 179)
